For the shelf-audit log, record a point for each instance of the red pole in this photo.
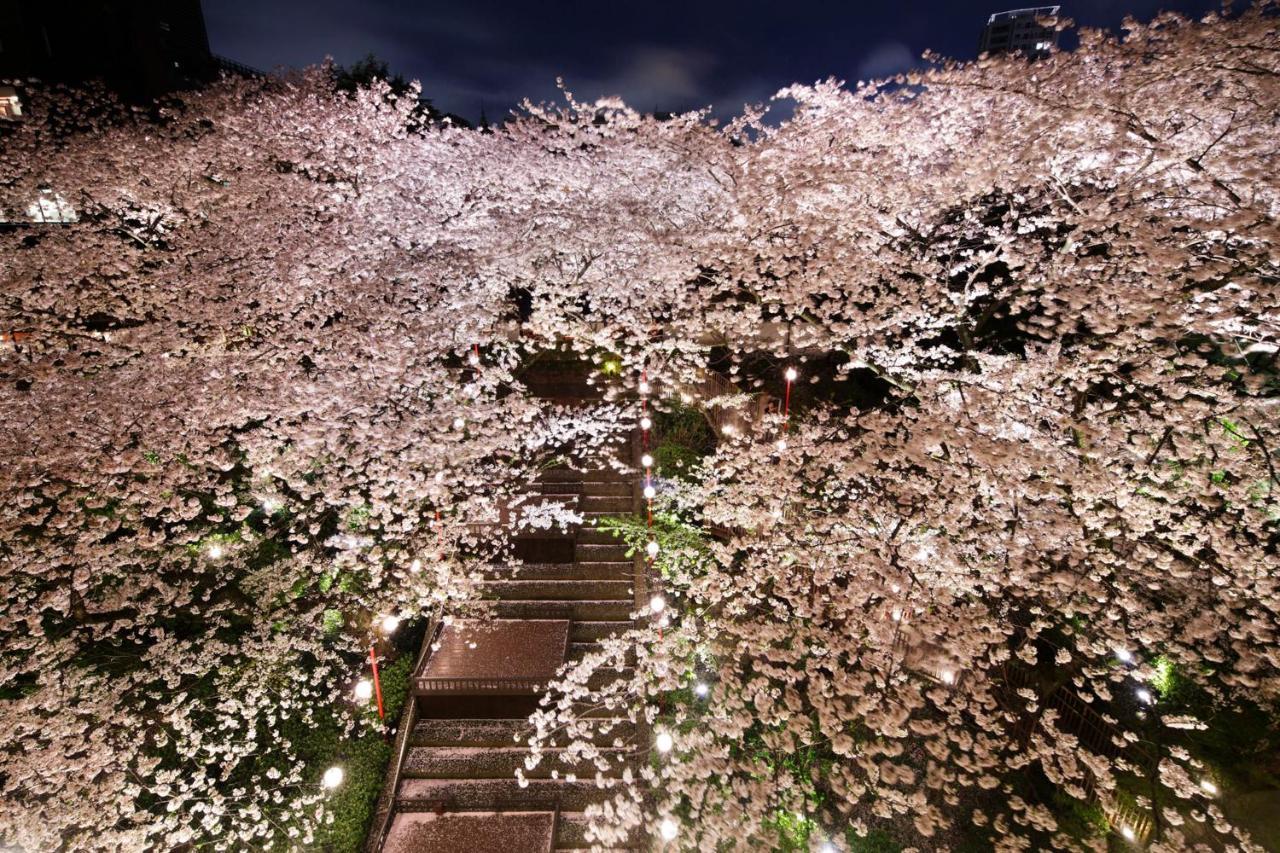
(786, 408)
(377, 685)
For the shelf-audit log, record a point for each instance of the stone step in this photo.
(541, 534)
(499, 794)
(571, 834)
(589, 532)
(613, 504)
(544, 550)
(504, 733)
(608, 675)
(577, 651)
(586, 632)
(573, 488)
(588, 552)
(607, 730)
(592, 536)
(415, 831)
(523, 589)
(621, 570)
(490, 762)
(584, 611)
(586, 477)
(469, 732)
(621, 489)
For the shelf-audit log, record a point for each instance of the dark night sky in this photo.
(657, 55)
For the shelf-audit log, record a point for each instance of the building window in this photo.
(10, 104)
(51, 207)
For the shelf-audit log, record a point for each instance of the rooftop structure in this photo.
(1020, 31)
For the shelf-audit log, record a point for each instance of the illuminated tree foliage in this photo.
(1034, 311)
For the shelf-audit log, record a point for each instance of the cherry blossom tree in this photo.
(254, 407)
(263, 381)
(1052, 287)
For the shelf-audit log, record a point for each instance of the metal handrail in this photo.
(437, 685)
(408, 720)
(239, 68)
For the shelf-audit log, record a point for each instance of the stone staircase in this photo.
(457, 786)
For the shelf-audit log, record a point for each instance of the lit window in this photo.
(51, 207)
(10, 104)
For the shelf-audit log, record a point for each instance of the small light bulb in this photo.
(897, 614)
(459, 423)
(270, 505)
(332, 777)
(474, 359)
(389, 624)
(649, 492)
(728, 429)
(657, 604)
(1208, 787)
(651, 549)
(645, 423)
(415, 566)
(791, 374)
(685, 398)
(948, 677)
(664, 742)
(782, 444)
(1144, 696)
(700, 689)
(668, 829)
(364, 689)
(214, 552)
(1127, 833)
(646, 461)
(827, 847)
(644, 387)
(1124, 655)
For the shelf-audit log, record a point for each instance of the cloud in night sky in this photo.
(662, 54)
(885, 60)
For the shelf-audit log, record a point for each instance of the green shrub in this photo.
(1077, 818)
(363, 759)
(684, 437)
(875, 841)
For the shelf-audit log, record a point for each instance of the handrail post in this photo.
(408, 720)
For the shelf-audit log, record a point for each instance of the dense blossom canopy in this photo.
(1037, 304)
